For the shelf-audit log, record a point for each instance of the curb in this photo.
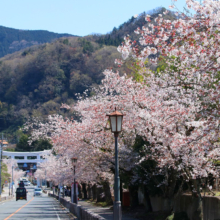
(5, 199)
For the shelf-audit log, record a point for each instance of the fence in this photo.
(78, 210)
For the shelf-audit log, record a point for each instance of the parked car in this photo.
(37, 192)
(21, 193)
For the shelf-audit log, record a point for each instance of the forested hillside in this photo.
(12, 40)
(35, 81)
(116, 36)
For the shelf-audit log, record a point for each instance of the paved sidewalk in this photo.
(5, 191)
(106, 213)
(5, 194)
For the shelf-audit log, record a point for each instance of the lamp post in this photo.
(34, 167)
(9, 181)
(74, 160)
(3, 144)
(12, 181)
(115, 119)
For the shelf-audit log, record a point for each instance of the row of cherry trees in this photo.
(174, 110)
(17, 173)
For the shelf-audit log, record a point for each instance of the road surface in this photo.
(38, 207)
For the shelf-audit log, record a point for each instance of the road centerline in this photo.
(18, 209)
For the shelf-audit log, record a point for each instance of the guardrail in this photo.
(77, 210)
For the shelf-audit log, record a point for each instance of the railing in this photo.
(77, 210)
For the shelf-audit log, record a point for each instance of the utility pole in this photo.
(12, 182)
(1, 166)
(1, 147)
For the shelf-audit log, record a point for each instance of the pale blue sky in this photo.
(78, 17)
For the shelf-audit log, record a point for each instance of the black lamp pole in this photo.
(75, 200)
(74, 160)
(115, 119)
(117, 203)
(9, 181)
(1, 167)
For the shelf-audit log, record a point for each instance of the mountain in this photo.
(36, 80)
(12, 40)
(116, 36)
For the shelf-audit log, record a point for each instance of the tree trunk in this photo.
(147, 202)
(100, 194)
(197, 201)
(89, 191)
(84, 191)
(133, 191)
(94, 193)
(80, 190)
(107, 192)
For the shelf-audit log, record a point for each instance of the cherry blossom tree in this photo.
(69, 141)
(190, 48)
(176, 110)
(17, 173)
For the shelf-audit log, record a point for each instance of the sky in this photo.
(77, 17)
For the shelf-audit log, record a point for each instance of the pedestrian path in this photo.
(5, 191)
(106, 213)
(5, 195)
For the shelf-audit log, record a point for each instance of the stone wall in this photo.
(211, 206)
(185, 203)
(161, 204)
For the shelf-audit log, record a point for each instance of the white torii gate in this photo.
(34, 157)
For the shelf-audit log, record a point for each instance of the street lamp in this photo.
(3, 144)
(115, 119)
(12, 180)
(74, 160)
(9, 181)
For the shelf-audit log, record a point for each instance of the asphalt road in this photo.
(38, 207)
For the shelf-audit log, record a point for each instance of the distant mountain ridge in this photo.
(35, 81)
(12, 40)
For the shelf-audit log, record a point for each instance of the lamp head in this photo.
(4, 143)
(115, 119)
(74, 160)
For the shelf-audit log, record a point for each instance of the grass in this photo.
(138, 212)
(160, 215)
(100, 204)
(217, 193)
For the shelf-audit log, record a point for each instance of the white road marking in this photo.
(56, 213)
(3, 204)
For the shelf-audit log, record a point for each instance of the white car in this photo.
(37, 192)
(27, 183)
